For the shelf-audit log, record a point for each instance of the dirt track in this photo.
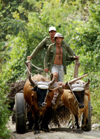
(58, 135)
(55, 133)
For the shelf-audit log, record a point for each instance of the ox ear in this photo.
(34, 88)
(57, 86)
(66, 86)
(54, 85)
(86, 86)
(60, 89)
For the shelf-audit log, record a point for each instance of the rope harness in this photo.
(73, 95)
(76, 87)
(31, 64)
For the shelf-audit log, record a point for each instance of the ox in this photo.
(38, 96)
(77, 98)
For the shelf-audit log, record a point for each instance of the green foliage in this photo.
(13, 17)
(4, 112)
(15, 66)
(25, 23)
(95, 100)
(87, 41)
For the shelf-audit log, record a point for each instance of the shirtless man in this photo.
(55, 61)
(55, 58)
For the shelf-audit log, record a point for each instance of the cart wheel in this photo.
(20, 113)
(88, 125)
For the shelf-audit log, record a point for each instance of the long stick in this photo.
(77, 64)
(28, 67)
(79, 78)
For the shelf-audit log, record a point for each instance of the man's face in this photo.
(52, 33)
(58, 40)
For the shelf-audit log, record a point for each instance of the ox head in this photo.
(78, 89)
(42, 88)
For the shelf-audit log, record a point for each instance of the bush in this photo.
(79, 22)
(4, 113)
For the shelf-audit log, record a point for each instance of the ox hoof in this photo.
(78, 130)
(84, 128)
(36, 132)
(46, 130)
(29, 126)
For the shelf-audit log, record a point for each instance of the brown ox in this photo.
(38, 96)
(77, 100)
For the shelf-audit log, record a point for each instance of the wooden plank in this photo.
(77, 64)
(29, 67)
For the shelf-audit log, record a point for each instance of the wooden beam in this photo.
(29, 67)
(77, 64)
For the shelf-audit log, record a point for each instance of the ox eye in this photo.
(34, 89)
(50, 90)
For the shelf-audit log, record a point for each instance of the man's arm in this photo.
(70, 56)
(38, 48)
(68, 48)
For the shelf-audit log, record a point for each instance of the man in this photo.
(56, 57)
(55, 61)
(46, 42)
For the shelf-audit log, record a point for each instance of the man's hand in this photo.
(29, 57)
(46, 70)
(76, 57)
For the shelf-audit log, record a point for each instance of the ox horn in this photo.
(32, 82)
(52, 82)
(86, 86)
(79, 78)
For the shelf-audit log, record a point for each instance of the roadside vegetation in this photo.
(25, 23)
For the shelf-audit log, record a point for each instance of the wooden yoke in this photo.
(77, 64)
(29, 67)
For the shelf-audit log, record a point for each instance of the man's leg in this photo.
(60, 79)
(55, 75)
(60, 73)
(54, 71)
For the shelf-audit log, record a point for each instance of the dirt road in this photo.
(56, 133)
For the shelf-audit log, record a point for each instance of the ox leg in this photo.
(30, 119)
(36, 128)
(46, 119)
(87, 119)
(36, 121)
(77, 124)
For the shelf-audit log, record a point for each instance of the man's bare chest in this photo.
(59, 51)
